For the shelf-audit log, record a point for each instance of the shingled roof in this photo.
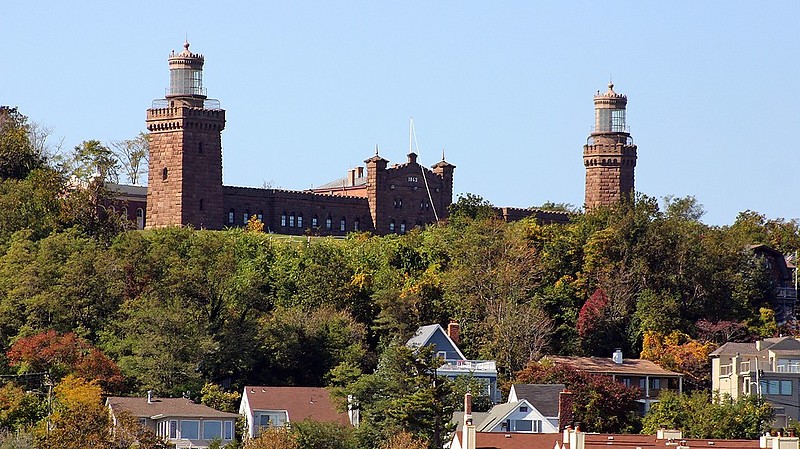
(543, 397)
(601, 365)
(300, 403)
(164, 407)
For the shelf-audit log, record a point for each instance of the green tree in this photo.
(403, 394)
(215, 397)
(699, 415)
(18, 156)
(91, 160)
(132, 155)
(323, 435)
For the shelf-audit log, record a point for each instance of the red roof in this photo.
(300, 403)
(512, 440)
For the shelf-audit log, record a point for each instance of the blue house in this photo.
(455, 364)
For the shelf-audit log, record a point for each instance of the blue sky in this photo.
(504, 87)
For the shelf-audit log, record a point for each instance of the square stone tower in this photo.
(185, 181)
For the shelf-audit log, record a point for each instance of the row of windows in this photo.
(290, 220)
(245, 215)
(190, 429)
(776, 387)
(423, 205)
(124, 213)
(655, 382)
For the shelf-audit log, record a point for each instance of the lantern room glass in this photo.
(184, 81)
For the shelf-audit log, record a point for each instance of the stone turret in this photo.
(609, 155)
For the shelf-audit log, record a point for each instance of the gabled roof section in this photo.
(498, 414)
(425, 334)
(543, 397)
(300, 403)
(733, 348)
(164, 408)
(785, 344)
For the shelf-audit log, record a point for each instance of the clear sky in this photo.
(504, 87)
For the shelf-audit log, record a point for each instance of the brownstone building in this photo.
(185, 180)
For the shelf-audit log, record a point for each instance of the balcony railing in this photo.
(789, 368)
(468, 366)
(785, 293)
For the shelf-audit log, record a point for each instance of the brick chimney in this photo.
(565, 404)
(453, 331)
(468, 431)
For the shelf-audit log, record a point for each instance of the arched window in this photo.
(231, 216)
(291, 220)
(246, 216)
(260, 216)
(283, 219)
(314, 221)
(164, 174)
(299, 220)
(328, 223)
(391, 226)
(356, 224)
(342, 224)
(125, 212)
(140, 218)
(403, 227)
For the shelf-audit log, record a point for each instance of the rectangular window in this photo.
(228, 430)
(173, 429)
(299, 221)
(655, 384)
(190, 430)
(626, 381)
(245, 217)
(263, 420)
(774, 387)
(786, 388)
(291, 221)
(642, 383)
(283, 219)
(341, 225)
(522, 425)
(523, 409)
(314, 222)
(230, 216)
(212, 429)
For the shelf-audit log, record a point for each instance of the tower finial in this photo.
(610, 83)
(376, 149)
(442, 153)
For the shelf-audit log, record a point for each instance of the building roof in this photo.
(477, 418)
(164, 408)
(496, 415)
(778, 344)
(542, 397)
(423, 336)
(343, 182)
(601, 365)
(514, 440)
(300, 403)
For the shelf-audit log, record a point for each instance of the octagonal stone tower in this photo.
(185, 180)
(609, 154)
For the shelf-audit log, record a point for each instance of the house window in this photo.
(212, 429)
(261, 216)
(228, 430)
(231, 216)
(520, 425)
(291, 220)
(391, 226)
(655, 384)
(356, 224)
(300, 220)
(190, 429)
(441, 354)
(142, 421)
(523, 409)
(342, 224)
(786, 388)
(246, 216)
(140, 218)
(283, 219)
(314, 221)
(328, 223)
(173, 429)
(642, 383)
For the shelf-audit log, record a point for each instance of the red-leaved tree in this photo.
(62, 354)
(599, 403)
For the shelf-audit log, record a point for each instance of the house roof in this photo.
(300, 403)
(542, 397)
(514, 440)
(498, 414)
(779, 344)
(423, 335)
(601, 365)
(477, 418)
(164, 408)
